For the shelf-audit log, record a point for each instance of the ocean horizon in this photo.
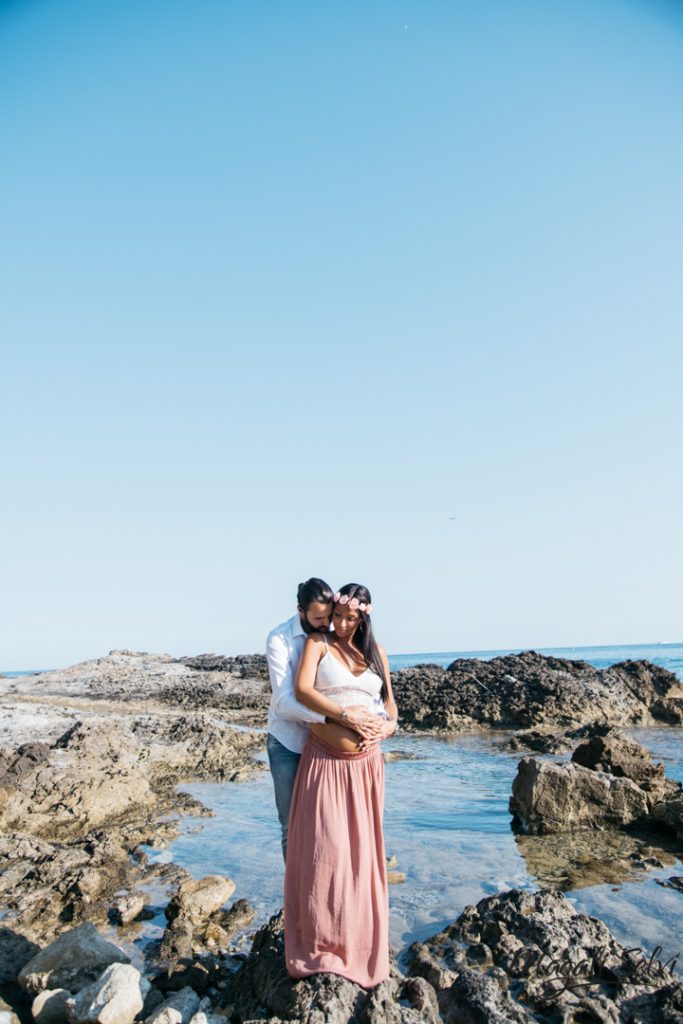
(667, 653)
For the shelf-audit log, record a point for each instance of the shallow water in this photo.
(447, 822)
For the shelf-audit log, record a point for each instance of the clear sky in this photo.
(286, 286)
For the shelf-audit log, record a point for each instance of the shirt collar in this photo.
(297, 628)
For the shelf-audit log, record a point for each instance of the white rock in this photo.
(115, 998)
(49, 1006)
(179, 1008)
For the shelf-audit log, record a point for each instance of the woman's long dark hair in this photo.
(363, 638)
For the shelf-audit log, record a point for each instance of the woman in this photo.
(336, 899)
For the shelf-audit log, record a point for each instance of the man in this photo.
(288, 720)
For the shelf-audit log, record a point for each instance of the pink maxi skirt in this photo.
(336, 895)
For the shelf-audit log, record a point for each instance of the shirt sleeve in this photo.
(282, 684)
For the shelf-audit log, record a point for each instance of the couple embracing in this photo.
(331, 706)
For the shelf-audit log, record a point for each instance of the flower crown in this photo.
(353, 603)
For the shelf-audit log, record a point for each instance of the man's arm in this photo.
(282, 684)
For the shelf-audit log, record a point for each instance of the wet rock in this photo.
(547, 963)
(177, 1009)
(50, 1006)
(75, 959)
(116, 997)
(533, 691)
(669, 815)
(396, 877)
(197, 899)
(675, 882)
(549, 797)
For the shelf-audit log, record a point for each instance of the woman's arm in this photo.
(363, 722)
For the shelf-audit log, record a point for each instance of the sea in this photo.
(448, 825)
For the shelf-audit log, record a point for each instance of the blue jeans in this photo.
(283, 766)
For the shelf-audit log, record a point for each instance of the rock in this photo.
(530, 956)
(236, 919)
(50, 1006)
(197, 899)
(91, 775)
(675, 882)
(9, 1017)
(116, 997)
(669, 815)
(127, 908)
(177, 1009)
(262, 990)
(75, 959)
(533, 691)
(395, 877)
(549, 797)
(626, 759)
(15, 952)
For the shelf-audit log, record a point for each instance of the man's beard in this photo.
(308, 628)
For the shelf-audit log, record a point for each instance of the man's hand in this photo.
(387, 727)
(362, 721)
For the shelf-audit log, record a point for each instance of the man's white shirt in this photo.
(288, 720)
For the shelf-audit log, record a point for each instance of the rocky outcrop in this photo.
(263, 991)
(610, 781)
(532, 691)
(549, 797)
(529, 956)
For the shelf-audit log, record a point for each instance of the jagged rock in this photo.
(196, 899)
(549, 797)
(91, 775)
(50, 1006)
(177, 1009)
(675, 882)
(262, 990)
(530, 956)
(669, 815)
(533, 691)
(624, 758)
(75, 959)
(116, 997)
(236, 919)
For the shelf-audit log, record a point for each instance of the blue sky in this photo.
(283, 287)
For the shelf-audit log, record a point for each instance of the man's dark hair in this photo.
(313, 590)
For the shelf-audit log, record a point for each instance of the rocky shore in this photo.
(90, 761)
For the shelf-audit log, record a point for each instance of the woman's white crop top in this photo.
(339, 683)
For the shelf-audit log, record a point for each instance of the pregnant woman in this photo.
(336, 899)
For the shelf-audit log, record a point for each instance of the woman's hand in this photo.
(387, 727)
(362, 721)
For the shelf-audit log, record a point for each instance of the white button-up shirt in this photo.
(288, 720)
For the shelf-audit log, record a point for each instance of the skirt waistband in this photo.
(341, 755)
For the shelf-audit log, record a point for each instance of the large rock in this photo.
(116, 997)
(529, 956)
(50, 1006)
(549, 797)
(262, 990)
(75, 959)
(624, 758)
(197, 898)
(533, 691)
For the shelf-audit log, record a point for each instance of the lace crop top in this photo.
(339, 683)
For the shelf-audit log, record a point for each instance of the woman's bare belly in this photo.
(338, 736)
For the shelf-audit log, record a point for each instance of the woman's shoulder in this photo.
(316, 639)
